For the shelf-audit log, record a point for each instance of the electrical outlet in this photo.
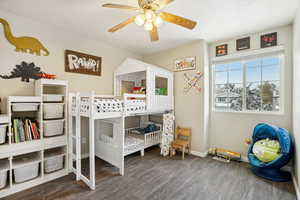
(83, 140)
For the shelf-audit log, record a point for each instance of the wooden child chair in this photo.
(182, 140)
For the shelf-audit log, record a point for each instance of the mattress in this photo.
(133, 144)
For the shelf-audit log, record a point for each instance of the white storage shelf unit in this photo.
(153, 78)
(44, 154)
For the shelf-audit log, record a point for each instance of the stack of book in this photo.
(24, 130)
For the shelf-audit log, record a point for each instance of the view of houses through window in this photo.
(250, 85)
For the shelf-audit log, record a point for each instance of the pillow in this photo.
(266, 150)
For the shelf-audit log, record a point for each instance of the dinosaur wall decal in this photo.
(25, 71)
(23, 44)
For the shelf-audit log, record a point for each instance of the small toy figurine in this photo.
(46, 76)
(248, 141)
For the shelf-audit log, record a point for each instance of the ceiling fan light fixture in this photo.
(148, 26)
(149, 14)
(158, 21)
(140, 19)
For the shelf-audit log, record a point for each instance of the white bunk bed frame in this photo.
(110, 149)
(104, 109)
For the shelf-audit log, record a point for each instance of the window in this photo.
(161, 86)
(248, 85)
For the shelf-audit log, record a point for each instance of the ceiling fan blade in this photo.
(154, 34)
(164, 3)
(110, 5)
(121, 25)
(186, 23)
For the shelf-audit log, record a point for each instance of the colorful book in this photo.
(26, 130)
(12, 136)
(22, 131)
(29, 130)
(16, 134)
(35, 130)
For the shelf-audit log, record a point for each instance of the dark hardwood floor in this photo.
(154, 177)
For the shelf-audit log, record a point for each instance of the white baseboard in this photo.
(244, 159)
(200, 154)
(296, 186)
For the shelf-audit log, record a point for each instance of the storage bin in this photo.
(53, 127)
(54, 163)
(3, 129)
(3, 178)
(53, 98)
(22, 107)
(53, 110)
(26, 172)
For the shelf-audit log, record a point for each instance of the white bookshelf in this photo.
(11, 154)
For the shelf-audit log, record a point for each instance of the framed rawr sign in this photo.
(187, 63)
(222, 50)
(82, 63)
(268, 40)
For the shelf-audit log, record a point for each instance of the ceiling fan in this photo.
(151, 17)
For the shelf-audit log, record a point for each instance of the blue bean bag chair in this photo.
(272, 170)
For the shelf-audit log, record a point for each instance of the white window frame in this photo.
(243, 59)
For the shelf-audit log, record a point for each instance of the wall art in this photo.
(25, 71)
(187, 63)
(82, 63)
(192, 82)
(222, 50)
(23, 44)
(268, 40)
(243, 43)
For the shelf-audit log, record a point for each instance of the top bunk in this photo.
(105, 106)
(139, 88)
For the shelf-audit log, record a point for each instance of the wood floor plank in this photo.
(162, 178)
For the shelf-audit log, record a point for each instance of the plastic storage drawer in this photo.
(53, 127)
(3, 133)
(23, 107)
(3, 178)
(54, 163)
(53, 110)
(26, 173)
(53, 98)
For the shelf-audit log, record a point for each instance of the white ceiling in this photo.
(217, 19)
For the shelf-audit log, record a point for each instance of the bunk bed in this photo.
(108, 138)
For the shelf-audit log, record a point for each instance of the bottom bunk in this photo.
(115, 138)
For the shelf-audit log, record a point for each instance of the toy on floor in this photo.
(224, 155)
(270, 150)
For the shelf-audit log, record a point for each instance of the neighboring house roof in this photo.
(228, 94)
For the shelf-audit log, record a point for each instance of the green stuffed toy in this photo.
(266, 150)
